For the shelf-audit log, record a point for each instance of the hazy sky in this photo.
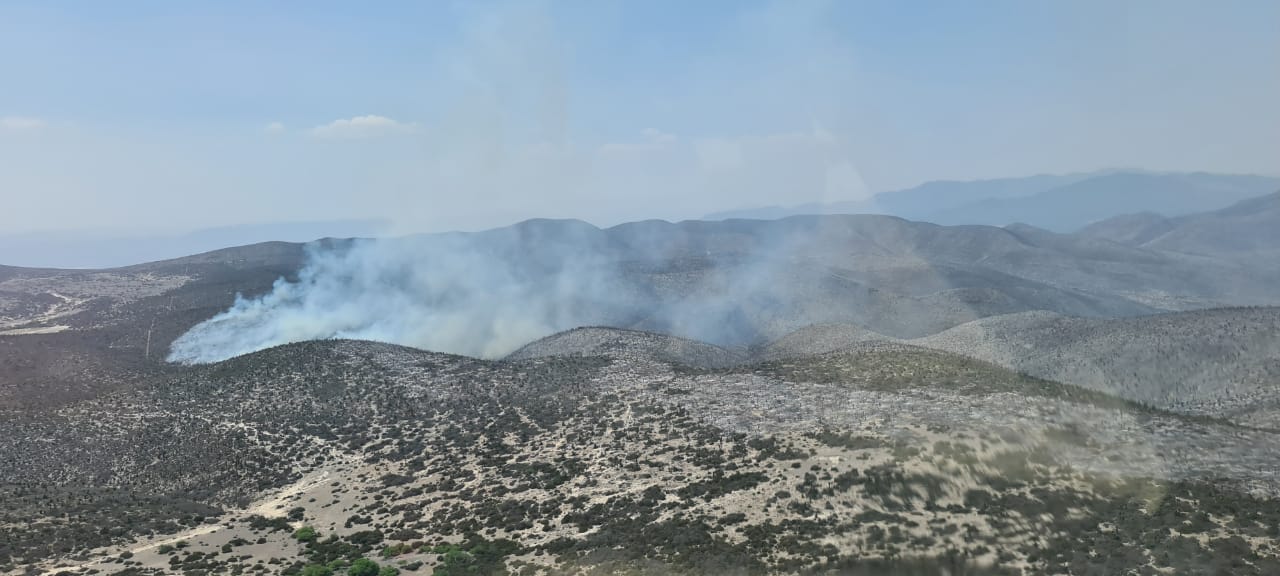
(436, 115)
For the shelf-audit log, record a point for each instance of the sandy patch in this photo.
(37, 330)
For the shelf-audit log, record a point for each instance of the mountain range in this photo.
(1061, 203)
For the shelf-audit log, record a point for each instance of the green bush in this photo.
(389, 571)
(363, 567)
(305, 534)
(396, 550)
(317, 570)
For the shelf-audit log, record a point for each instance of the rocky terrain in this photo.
(883, 397)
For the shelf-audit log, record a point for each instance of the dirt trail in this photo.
(69, 305)
(274, 506)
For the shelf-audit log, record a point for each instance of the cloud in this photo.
(658, 136)
(361, 127)
(654, 141)
(275, 128)
(21, 123)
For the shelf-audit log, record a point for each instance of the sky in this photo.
(432, 116)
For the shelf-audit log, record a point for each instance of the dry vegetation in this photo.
(887, 460)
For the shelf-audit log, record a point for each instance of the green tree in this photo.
(389, 571)
(306, 534)
(363, 567)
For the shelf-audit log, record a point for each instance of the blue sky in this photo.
(436, 115)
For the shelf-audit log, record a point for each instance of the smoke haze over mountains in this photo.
(461, 294)
(486, 294)
(734, 283)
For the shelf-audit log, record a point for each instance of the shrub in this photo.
(396, 550)
(363, 567)
(305, 534)
(317, 570)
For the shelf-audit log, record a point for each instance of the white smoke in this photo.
(480, 295)
(486, 294)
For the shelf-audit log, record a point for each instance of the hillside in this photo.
(1221, 362)
(600, 341)
(884, 460)
(1250, 227)
(71, 334)
(1131, 229)
(1245, 229)
(818, 339)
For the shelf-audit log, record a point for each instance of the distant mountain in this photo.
(776, 212)
(1248, 227)
(928, 201)
(1059, 203)
(114, 248)
(1073, 206)
(918, 203)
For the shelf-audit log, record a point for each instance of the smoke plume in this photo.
(486, 294)
(474, 294)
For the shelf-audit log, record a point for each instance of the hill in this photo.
(601, 341)
(818, 339)
(888, 459)
(75, 334)
(1221, 362)
(1248, 228)
(1131, 229)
